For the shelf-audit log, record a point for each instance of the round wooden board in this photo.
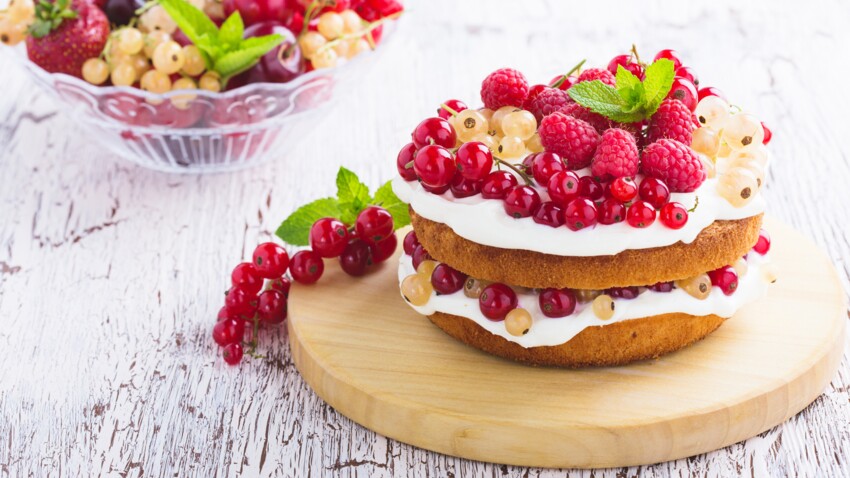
(373, 359)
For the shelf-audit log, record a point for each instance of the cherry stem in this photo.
(447, 108)
(512, 167)
(696, 203)
(561, 81)
(637, 57)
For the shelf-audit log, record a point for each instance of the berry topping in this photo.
(434, 131)
(654, 191)
(726, 278)
(674, 163)
(462, 187)
(563, 187)
(623, 189)
(497, 184)
(271, 307)
(446, 280)
(435, 166)
(270, 260)
(591, 74)
(454, 105)
(611, 211)
(518, 322)
(763, 243)
(547, 102)
(549, 214)
(590, 188)
(245, 275)
(504, 87)
(572, 139)
(580, 213)
(616, 156)
(307, 267)
(496, 300)
(404, 162)
(687, 73)
(673, 120)
(356, 258)
(383, 250)
(521, 201)
(373, 224)
(410, 242)
(533, 92)
(419, 256)
(684, 91)
(474, 160)
(555, 303)
(674, 215)
(640, 214)
(328, 237)
(544, 165)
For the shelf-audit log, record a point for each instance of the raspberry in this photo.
(616, 156)
(547, 102)
(599, 122)
(672, 120)
(675, 164)
(504, 87)
(600, 74)
(572, 139)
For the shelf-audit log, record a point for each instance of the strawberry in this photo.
(65, 34)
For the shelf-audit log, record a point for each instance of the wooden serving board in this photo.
(373, 359)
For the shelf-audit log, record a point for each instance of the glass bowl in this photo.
(196, 131)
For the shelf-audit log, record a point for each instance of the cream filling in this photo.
(548, 331)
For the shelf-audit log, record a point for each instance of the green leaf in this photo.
(247, 55)
(630, 89)
(232, 30)
(597, 97)
(657, 83)
(386, 198)
(352, 194)
(295, 230)
(192, 21)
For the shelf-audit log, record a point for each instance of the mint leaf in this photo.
(386, 198)
(597, 97)
(232, 30)
(237, 61)
(295, 230)
(193, 22)
(630, 89)
(657, 83)
(352, 194)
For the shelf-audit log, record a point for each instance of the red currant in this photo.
(671, 55)
(497, 184)
(763, 244)
(383, 250)
(661, 287)
(246, 276)
(565, 83)
(590, 188)
(447, 280)
(410, 242)
(580, 214)
(767, 134)
(684, 91)
(521, 201)
(688, 73)
(405, 158)
(281, 285)
(544, 165)
(726, 278)
(709, 91)
(563, 187)
(640, 214)
(240, 302)
(464, 188)
(435, 166)
(435, 190)
(307, 267)
(626, 62)
(356, 258)
(654, 191)
(436, 131)
(474, 160)
(232, 354)
(550, 214)
(623, 292)
(373, 224)
(328, 237)
(223, 313)
(271, 307)
(419, 255)
(611, 211)
(270, 260)
(456, 105)
(228, 331)
(496, 300)
(555, 303)
(527, 162)
(674, 215)
(623, 189)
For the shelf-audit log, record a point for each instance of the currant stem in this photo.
(450, 110)
(147, 6)
(512, 167)
(696, 203)
(637, 57)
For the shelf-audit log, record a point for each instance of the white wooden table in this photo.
(111, 275)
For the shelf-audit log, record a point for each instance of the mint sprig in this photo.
(631, 100)
(224, 49)
(352, 197)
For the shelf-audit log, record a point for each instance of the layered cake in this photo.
(613, 215)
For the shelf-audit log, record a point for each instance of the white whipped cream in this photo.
(484, 221)
(547, 331)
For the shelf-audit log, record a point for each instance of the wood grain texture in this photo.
(110, 275)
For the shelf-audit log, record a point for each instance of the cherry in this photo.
(688, 73)
(684, 91)
(228, 331)
(710, 91)
(566, 83)
(474, 160)
(383, 250)
(641, 214)
(434, 131)
(590, 188)
(463, 188)
(611, 211)
(626, 62)
(661, 287)
(580, 214)
(405, 157)
(240, 302)
(496, 300)
(270, 260)
(271, 307)
(419, 255)
(120, 12)
(356, 258)
(521, 201)
(767, 134)
(623, 189)
(763, 243)
(654, 191)
(253, 11)
(282, 64)
(328, 237)
(281, 285)
(674, 215)
(555, 303)
(726, 278)
(623, 292)
(307, 267)
(447, 280)
(246, 276)
(671, 55)
(232, 354)
(544, 165)
(497, 184)
(549, 214)
(374, 224)
(410, 242)
(456, 105)
(563, 187)
(435, 166)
